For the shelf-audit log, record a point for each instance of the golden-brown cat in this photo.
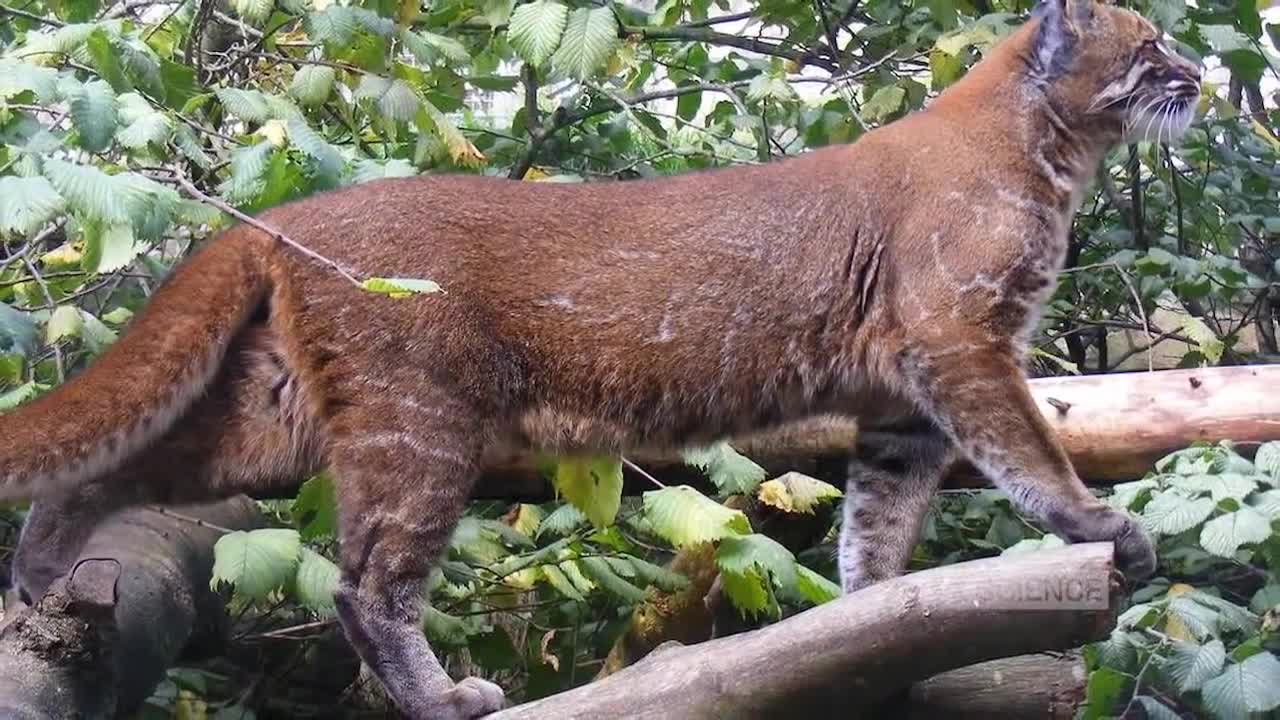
(895, 279)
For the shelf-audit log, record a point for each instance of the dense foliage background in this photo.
(129, 127)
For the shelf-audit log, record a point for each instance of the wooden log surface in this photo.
(102, 637)
(854, 652)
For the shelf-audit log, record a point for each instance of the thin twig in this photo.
(6, 10)
(1146, 325)
(195, 193)
(48, 297)
(188, 519)
(642, 472)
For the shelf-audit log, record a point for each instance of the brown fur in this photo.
(895, 279)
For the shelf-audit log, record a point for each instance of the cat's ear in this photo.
(1062, 22)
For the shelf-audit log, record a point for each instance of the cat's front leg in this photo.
(978, 395)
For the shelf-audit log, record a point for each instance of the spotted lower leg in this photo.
(404, 473)
(894, 471)
(980, 398)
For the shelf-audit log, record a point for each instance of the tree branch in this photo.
(856, 651)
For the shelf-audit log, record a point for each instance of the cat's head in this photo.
(1110, 67)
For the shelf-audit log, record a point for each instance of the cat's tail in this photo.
(142, 383)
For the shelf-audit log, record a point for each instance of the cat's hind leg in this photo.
(895, 469)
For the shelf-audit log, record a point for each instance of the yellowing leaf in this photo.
(1174, 627)
(64, 322)
(400, 287)
(275, 132)
(592, 484)
(683, 516)
(796, 492)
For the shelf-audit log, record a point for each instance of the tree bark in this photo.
(855, 652)
(1114, 427)
(102, 637)
(1028, 687)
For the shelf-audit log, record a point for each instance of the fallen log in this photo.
(855, 652)
(102, 637)
(1029, 687)
(1114, 427)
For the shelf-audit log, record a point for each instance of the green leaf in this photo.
(1211, 346)
(657, 575)
(738, 554)
(27, 203)
(748, 592)
(1224, 535)
(400, 287)
(1267, 459)
(108, 248)
(316, 508)
(429, 47)
(248, 165)
(89, 191)
(329, 163)
(1192, 665)
(1103, 691)
(93, 113)
(797, 492)
(15, 397)
(1250, 686)
(1156, 710)
(1166, 13)
(141, 124)
(316, 582)
(562, 521)
(64, 322)
(814, 587)
(884, 102)
(1267, 503)
(770, 86)
(1265, 599)
(535, 30)
(732, 473)
(683, 516)
(106, 60)
(603, 574)
(590, 36)
(593, 484)
(256, 562)
(96, 335)
(1224, 38)
(366, 169)
(255, 12)
(443, 628)
(395, 99)
(250, 106)
(17, 331)
(1169, 513)
(312, 84)
(17, 77)
(561, 582)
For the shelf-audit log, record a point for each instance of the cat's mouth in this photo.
(1162, 117)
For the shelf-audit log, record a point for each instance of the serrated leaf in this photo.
(527, 520)
(562, 521)
(443, 628)
(1192, 665)
(27, 203)
(561, 582)
(1243, 688)
(883, 103)
(738, 554)
(395, 99)
(476, 542)
(1189, 620)
(603, 575)
(461, 150)
(1265, 599)
(1224, 38)
(429, 47)
(732, 473)
(316, 508)
(17, 77)
(365, 169)
(797, 492)
(770, 86)
(814, 587)
(400, 287)
(248, 165)
(748, 592)
(17, 331)
(590, 36)
(328, 162)
(1267, 459)
(1103, 690)
(663, 578)
(535, 30)
(593, 484)
(316, 582)
(15, 397)
(1169, 513)
(95, 334)
(1223, 535)
(683, 516)
(256, 562)
(251, 106)
(1219, 486)
(141, 124)
(64, 322)
(1156, 710)
(184, 138)
(93, 113)
(255, 12)
(108, 248)
(90, 191)
(312, 84)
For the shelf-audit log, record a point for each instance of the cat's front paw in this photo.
(471, 698)
(1135, 554)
